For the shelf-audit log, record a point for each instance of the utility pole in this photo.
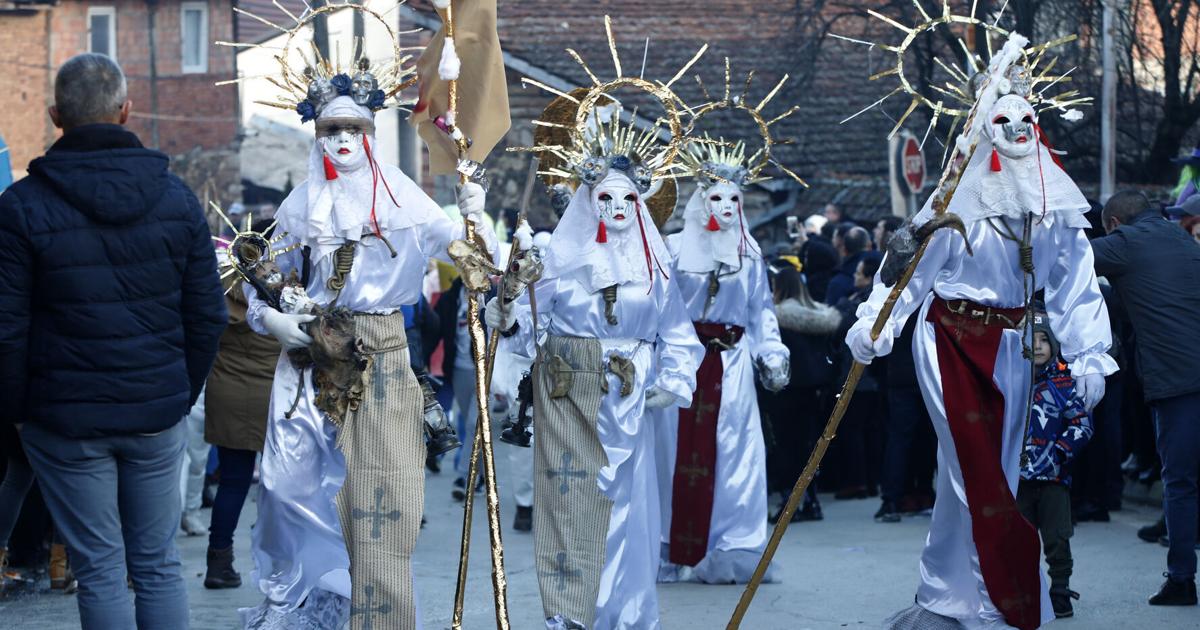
(1108, 105)
(151, 11)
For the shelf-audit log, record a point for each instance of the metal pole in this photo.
(1108, 110)
(151, 11)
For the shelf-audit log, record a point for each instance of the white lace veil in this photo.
(1034, 184)
(633, 255)
(700, 251)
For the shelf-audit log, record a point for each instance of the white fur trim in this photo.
(441, 4)
(450, 64)
(524, 237)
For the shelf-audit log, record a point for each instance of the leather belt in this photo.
(989, 315)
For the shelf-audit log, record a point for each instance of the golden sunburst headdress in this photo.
(954, 96)
(585, 133)
(247, 250)
(714, 159)
(308, 80)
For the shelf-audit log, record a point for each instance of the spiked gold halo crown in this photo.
(577, 143)
(302, 65)
(712, 159)
(954, 98)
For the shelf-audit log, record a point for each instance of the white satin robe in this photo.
(738, 529)
(646, 315)
(951, 582)
(297, 540)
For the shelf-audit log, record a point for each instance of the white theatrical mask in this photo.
(343, 143)
(1012, 128)
(723, 201)
(616, 202)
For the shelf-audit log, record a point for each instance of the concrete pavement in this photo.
(845, 571)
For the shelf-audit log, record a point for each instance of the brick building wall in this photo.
(192, 116)
(25, 125)
(191, 111)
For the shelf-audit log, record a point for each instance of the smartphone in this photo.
(793, 227)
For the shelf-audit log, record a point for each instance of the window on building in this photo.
(102, 31)
(193, 31)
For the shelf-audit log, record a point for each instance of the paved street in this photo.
(845, 571)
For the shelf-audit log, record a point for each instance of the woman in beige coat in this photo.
(236, 399)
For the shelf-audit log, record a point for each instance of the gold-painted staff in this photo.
(443, 118)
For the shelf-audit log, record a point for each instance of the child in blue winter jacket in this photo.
(1059, 426)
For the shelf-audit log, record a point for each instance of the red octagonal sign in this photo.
(913, 162)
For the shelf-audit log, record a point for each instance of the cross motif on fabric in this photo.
(368, 611)
(561, 573)
(380, 381)
(701, 408)
(377, 515)
(694, 471)
(690, 540)
(566, 473)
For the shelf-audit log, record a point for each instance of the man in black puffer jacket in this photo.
(110, 314)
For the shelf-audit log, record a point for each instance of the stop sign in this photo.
(912, 161)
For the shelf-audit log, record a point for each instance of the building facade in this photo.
(165, 48)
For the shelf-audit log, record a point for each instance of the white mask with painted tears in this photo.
(616, 202)
(1012, 127)
(342, 142)
(723, 201)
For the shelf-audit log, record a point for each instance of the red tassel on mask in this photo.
(602, 233)
(995, 161)
(713, 226)
(330, 172)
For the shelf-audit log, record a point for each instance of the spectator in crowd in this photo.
(884, 228)
(1057, 430)
(910, 445)
(1188, 212)
(851, 248)
(459, 367)
(833, 214)
(859, 447)
(1155, 268)
(794, 415)
(113, 255)
(1191, 225)
(236, 402)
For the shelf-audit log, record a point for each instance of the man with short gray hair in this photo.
(1155, 269)
(110, 314)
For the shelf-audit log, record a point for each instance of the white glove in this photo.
(1090, 388)
(286, 328)
(859, 340)
(775, 375)
(659, 398)
(499, 316)
(471, 201)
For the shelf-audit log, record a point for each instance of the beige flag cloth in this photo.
(482, 87)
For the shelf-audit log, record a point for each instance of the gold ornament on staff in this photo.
(247, 249)
(1014, 51)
